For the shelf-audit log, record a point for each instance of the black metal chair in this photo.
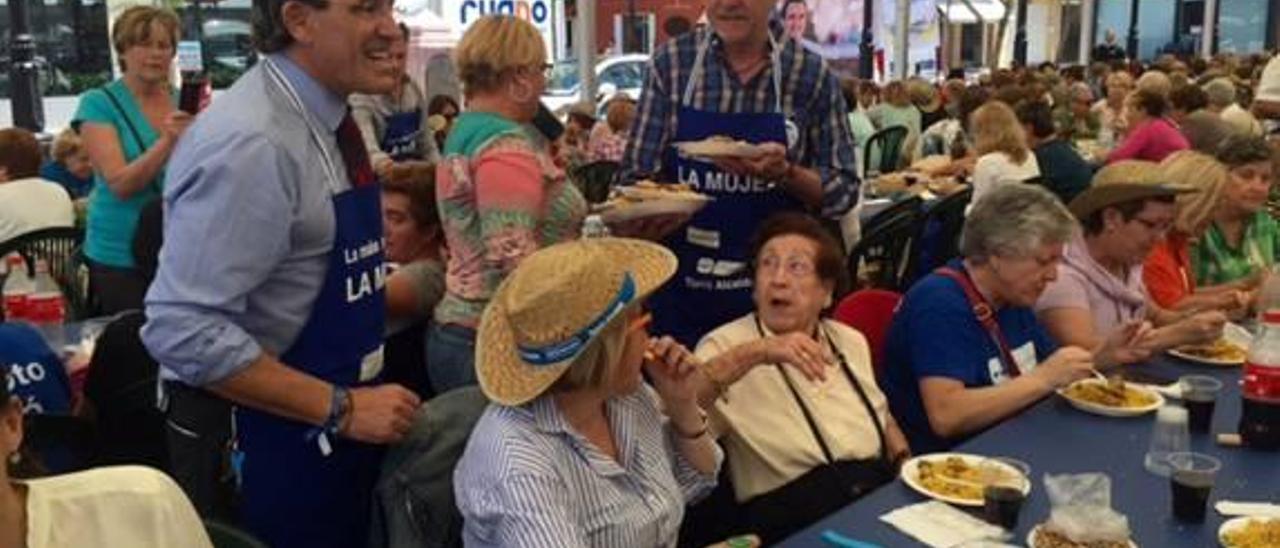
(595, 179)
(60, 248)
(912, 203)
(879, 259)
(938, 238)
(890, 142)
(223, 535)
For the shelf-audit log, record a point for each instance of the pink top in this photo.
(1152, 141)
(1084, 284)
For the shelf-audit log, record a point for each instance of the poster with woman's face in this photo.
(830, 28)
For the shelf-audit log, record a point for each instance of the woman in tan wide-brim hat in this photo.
(577, 450)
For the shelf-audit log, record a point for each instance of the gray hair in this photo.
(1221, 92)
(1012, 221)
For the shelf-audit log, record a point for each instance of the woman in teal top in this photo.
(129, 127)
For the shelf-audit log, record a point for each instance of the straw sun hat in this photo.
(554, 305)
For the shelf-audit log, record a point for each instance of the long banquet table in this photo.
(1055, 438)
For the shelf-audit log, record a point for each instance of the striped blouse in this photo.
(527, 479)
(810, 97)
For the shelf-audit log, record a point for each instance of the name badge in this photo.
(709, 239)
(371, 365)
(1024, 356)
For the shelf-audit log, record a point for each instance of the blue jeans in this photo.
(451, 357)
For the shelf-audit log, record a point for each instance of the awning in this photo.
(963, 12)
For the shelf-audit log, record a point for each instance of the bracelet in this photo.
(339, 409)
(694, 435)
(721, 387)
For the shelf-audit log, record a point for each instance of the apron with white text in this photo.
(402, 136)
(299, 488)
(712, 284)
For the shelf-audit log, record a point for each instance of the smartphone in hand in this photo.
(191, 92)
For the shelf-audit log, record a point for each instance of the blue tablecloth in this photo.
(1055, 438)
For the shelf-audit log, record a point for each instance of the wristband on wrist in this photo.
(702, 430)
(339, 409)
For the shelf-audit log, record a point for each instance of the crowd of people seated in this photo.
(277, 324)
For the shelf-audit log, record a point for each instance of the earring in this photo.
(15, 458)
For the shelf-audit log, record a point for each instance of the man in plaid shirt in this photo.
(742, 78)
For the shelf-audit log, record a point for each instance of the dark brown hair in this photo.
(419, 185)
(1092, 224)
(269, 33)
(1239, 150)
(19, 153)
(829, 263)
(1188, 98)
(1150, 102)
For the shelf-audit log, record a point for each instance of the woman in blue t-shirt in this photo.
(129, 127)
(950, 373)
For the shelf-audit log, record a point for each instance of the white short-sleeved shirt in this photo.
(132, 506)
(997, 168)
(1269, 85)
(767, 440)
(27, 205)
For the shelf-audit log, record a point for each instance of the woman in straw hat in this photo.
(1099, 290)
(1168, 272)
(576, 449)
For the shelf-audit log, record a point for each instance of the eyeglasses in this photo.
(795, 266)
(1159, 228)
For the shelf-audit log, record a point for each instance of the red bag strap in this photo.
(985, 315)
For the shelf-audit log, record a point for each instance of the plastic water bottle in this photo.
(593, 227)
(1269, 293)
(46, 308)
(18, 287)
(1260, 393)
(1170, 435)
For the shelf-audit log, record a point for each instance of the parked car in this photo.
(619, 74)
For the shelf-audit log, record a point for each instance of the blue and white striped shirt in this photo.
(811, 98)
(527, 479)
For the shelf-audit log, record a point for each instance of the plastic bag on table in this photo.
(1081, 508)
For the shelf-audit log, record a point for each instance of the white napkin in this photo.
(940, 525)
(1239, 508)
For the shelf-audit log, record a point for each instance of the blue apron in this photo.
(400, 140)
(300, 489)
(712, 284)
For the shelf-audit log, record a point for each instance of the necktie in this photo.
(354, 155)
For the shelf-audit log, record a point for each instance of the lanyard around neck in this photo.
(853, 380)
(291, 93)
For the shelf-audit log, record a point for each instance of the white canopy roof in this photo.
(971, 11)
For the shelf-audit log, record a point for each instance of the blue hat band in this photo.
(560, 351)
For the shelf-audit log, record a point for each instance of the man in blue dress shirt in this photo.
(270, 287)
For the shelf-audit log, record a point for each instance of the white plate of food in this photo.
(719, 146)
(1250, 532)
(1041, 537)
(958, 478)
(1228, 351)
(649, 199)
(1113, 398)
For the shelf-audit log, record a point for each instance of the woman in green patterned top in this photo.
(1244, 240)
(499, 195)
